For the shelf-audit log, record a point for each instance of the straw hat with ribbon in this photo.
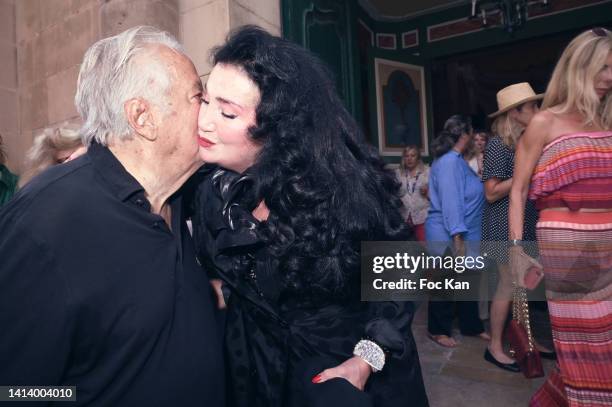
(513, 96)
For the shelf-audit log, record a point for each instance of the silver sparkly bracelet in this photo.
(371, 353)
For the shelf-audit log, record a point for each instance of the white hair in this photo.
(110, 76)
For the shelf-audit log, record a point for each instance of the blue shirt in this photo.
(457, 198)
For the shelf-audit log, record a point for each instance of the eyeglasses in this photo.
(600, 31)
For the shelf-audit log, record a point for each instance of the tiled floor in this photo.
(461, 377)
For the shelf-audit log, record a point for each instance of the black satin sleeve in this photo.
(389, 325)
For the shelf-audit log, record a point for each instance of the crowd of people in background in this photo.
(559, 156)
(290, 190)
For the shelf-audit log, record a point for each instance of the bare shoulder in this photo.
(539, 130)
(543, 119)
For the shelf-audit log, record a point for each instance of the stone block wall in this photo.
(205, 23)
(52, 36)
(42, 43)
(9, 97)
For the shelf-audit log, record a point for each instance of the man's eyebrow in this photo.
(197, 86)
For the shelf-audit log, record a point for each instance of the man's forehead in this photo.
(181, 68)
(197, 85)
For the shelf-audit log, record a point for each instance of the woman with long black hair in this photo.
(280, 220)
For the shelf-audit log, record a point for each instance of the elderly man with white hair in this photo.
(99, 284)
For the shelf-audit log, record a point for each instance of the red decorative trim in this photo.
(386, 41)
(535, 10)
(410, 39)
(462, 26)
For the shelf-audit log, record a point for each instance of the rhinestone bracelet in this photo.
(371, 353)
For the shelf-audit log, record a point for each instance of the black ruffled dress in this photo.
(276, 342)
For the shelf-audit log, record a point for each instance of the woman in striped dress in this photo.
(566, 155)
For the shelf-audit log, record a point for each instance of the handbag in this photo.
(518, 334)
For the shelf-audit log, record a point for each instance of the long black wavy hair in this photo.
(454, 127)
(326, 189)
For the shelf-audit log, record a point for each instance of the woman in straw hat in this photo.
(564, 163)
(516, 104)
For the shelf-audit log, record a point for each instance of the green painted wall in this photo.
(347, 12)
(327, 27)
(425, 53)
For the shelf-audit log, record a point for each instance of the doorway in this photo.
(467, 83)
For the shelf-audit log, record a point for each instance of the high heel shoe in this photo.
(511, 367)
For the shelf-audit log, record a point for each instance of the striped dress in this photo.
(575, 172)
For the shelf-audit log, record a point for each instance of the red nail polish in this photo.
(316, 379)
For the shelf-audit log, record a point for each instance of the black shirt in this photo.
(97, 292)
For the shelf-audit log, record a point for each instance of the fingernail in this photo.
(316, 379)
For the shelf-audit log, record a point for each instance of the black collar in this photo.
(121, 182)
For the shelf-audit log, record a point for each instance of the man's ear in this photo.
(140, 118)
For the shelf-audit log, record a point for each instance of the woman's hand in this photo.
(355, 370)
(424, 190)
(519, 264)
(459, 244)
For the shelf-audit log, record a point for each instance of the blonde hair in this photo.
(571, 87)
(508, 129)
(43, 153)
(414, 147)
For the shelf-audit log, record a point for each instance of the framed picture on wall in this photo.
(400, 106)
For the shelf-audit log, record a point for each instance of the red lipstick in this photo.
(204, 142)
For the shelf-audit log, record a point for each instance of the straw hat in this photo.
(513, 96)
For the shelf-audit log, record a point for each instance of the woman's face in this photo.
(603, 79)
(527, 111)
(410, 157)
(480, 142)
(229, 102)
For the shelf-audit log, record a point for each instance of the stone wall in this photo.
(43, 42)
(52, 36)
(205, 23)
(9, 121)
